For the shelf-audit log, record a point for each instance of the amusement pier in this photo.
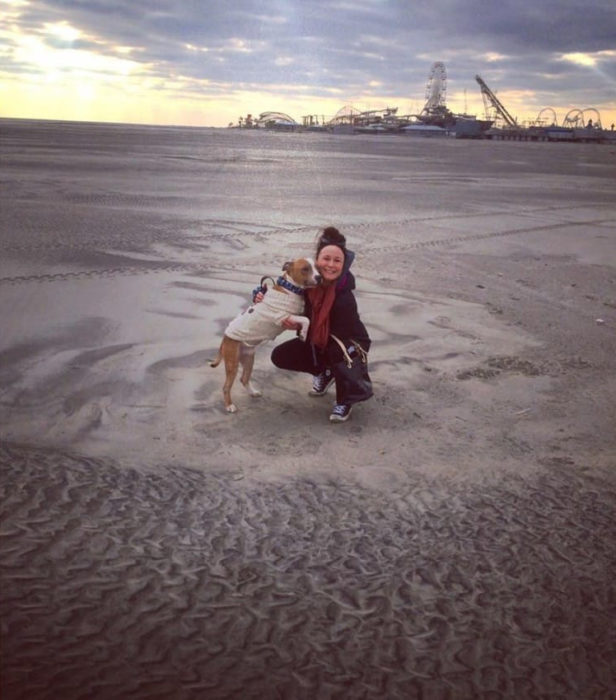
(437, 120)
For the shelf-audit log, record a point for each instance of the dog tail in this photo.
(216, 361)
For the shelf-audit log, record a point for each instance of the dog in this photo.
(263, 321)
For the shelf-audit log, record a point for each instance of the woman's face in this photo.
(330, 262)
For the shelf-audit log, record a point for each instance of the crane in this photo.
(488, 95)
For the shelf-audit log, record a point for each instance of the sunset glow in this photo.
(72, 62)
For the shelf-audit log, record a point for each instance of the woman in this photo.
(332, 310)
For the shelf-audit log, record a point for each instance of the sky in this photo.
(208, 62)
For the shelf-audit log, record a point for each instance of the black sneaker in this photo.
(321, 383)
(340, 412)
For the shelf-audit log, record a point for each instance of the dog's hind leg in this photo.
(247, 360)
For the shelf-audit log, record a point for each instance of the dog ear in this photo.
(286, 266)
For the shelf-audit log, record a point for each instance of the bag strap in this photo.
(363, 355)
(360, 351)
(347, 357)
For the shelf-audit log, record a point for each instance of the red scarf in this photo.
(322, 300)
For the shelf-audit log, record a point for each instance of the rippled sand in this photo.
(179, 584)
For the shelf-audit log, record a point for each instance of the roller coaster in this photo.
(577, 125)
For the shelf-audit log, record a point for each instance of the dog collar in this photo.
(290, 286)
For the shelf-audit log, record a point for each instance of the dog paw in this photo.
(231, 408)
(253, 390)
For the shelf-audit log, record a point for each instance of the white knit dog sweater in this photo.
(263, 321)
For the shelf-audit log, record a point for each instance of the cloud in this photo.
(554, 50)
(590, 60)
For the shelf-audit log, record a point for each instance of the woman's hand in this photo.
(257, 298)
(291, 325)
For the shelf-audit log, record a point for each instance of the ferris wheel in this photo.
(436, 89)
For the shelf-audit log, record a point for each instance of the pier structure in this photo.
(436, 119)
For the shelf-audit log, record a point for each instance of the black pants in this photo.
(299, 356)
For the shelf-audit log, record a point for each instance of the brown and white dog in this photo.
(263, 321)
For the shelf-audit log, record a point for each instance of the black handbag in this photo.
(352, 379)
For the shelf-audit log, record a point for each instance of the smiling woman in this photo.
(335, 330)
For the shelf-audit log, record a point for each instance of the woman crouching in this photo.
(332, 310)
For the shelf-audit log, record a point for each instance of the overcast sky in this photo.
(201, 62)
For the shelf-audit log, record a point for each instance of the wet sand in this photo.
(455, 539)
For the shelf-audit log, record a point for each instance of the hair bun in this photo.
(331, 236)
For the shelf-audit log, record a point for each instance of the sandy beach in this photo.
(456, 538)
